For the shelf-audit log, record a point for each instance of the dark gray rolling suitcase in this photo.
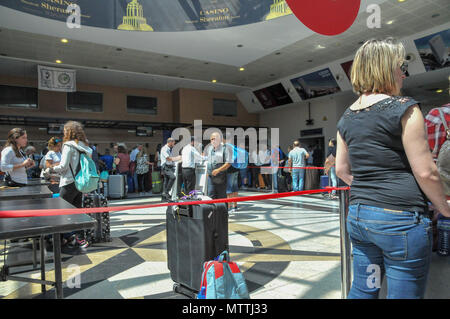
(195, 234)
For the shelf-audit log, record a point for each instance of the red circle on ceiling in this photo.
(327, 17)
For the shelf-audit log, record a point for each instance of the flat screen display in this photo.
(319, 83)
(273, 96)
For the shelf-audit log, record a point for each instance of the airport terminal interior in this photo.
(137, 72)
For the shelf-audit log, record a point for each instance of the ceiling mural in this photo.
(154, 15)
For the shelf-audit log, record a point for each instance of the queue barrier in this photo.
(343, 193)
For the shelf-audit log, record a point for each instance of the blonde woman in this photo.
(382, 152)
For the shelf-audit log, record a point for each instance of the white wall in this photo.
(290, 120)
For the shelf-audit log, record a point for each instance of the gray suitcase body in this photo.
(117, 186)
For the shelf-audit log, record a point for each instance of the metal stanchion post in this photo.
(345, 244)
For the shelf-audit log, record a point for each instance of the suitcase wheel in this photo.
(175, 288)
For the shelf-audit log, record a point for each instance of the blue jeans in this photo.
(275, 181)
(333, 177)
(298, 179)
(395, 243)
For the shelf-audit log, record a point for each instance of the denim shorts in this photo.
(389, 242)
(232, 182)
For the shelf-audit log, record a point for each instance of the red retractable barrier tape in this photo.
(55, 212)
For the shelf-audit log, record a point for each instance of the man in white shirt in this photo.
(133, 163)
(168, 167)
(190, 156)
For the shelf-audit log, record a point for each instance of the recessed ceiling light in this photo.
(58, 61)
(241, 69)
(390, 22)
(64, 40)
(320, 46)
(214, 81)
(401, 0)
(439, 91)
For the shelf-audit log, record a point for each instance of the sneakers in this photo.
(75, 242)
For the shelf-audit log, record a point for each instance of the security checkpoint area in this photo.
(259, 154)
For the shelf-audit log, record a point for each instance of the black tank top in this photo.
(381, 172)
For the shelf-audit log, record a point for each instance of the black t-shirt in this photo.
(381, 172)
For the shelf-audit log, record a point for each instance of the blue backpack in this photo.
(240, 157)
(222, 279)
(86, 179)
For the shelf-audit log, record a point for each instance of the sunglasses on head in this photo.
(404, 67)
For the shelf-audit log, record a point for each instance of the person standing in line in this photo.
(330, 165)
(108, 160)
(219, 160)
(168, 167)
(297, 158)
(383, 154)
(13, 159)
(133, 163)
(53, 158)
(142, 171)
(189, 157)
(74, 143)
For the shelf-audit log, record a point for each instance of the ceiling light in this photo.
(214, 81)
(58, 61)
(401, 0)
(390, 22)
(241, 69)
(439, 91)
(64, 40)
(320, 47)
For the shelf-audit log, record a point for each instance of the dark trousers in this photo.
(71, 195)
(143, 182)
(255, 173)
(169, 178)
(188, 179)
(216, 191)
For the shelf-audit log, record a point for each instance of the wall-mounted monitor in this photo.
(316, 84)
(144, 131)
(18, 97)
(142, 105)
(273, 96)
(223, 107)
(434, 50)
(85, 101)
(55, 128)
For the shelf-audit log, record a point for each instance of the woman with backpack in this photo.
(74, 142)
